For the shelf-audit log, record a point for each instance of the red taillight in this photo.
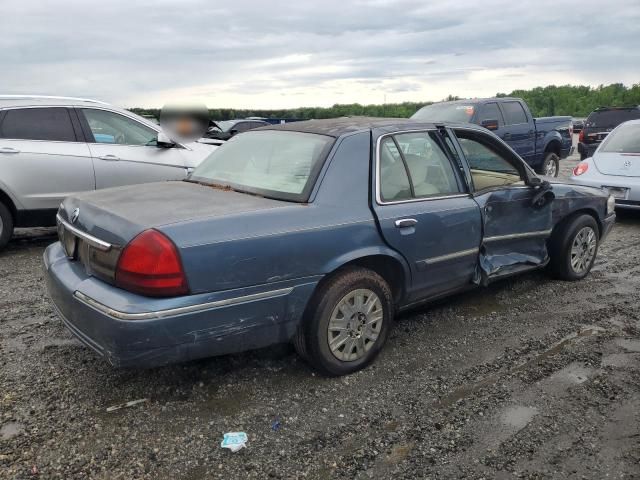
(581, 168)
(581, 136)
(150, 265)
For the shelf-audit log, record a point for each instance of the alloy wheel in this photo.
(550, 168)
(583, 249)
(355, 325)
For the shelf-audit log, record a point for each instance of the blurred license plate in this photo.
(618, 192)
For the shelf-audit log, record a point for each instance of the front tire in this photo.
(574, 247)
(347, 322)
(551, 165)
(6, 225)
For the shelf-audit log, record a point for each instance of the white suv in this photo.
(52, 147)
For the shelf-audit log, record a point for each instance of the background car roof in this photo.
(45, 101)
(335, 127)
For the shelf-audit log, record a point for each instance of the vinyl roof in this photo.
(336, 127)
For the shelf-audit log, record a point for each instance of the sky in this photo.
(286, 54)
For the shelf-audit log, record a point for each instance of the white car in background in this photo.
(53, 147)
(615, 166)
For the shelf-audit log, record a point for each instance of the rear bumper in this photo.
(131, 330)
(587, 149)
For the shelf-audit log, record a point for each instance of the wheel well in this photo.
(553, 146)
(387, 267)
(6, 199)
(584, 211)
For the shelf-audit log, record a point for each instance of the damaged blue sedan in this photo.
(315, 233)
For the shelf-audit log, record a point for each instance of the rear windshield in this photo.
(626, 139)
(611, 118)
(275, 164)
(445, 112)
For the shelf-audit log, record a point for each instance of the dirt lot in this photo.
(531, 378)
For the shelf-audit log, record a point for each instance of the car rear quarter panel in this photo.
(296, 241)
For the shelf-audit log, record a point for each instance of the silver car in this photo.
(53, 147)
(615, 165)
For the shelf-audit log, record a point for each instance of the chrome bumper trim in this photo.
(515, 236)
(179, 310)
(90, 239)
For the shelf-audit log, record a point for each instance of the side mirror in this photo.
(164, 141)
(535, 181)
(490, 124)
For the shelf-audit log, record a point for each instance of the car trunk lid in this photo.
(622, 164)
(116, 215)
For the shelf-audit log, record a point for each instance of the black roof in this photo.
(336, 127)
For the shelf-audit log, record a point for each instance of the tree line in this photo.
(573, 100)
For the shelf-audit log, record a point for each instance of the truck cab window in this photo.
(514, 113)
(490, 111)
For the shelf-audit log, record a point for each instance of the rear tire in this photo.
(573, 249)
(6, 225)
(550, 166)
(347, 322)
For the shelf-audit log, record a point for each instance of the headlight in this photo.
(611, 204)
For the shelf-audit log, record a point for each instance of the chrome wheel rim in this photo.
(355, 325)
(583, 249)
(551, 169)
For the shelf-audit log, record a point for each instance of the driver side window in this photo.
(109, 127)
(489, 168)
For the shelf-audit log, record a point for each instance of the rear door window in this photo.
(52, 124)
(413, 166)
(514, 113)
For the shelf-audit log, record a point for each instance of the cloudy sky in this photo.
(276, 53)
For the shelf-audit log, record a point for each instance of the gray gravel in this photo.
(530, 378)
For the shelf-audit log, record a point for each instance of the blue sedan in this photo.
(313, 232)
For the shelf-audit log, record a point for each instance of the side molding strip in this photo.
(421, 264)
(514, 236)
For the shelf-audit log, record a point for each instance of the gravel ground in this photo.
(530, 378)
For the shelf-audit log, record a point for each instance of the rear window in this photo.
(626, 139)
(445, 112)
(276, 164)
(611, 118)
(53, 124)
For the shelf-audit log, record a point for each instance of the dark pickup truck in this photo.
(541, 142)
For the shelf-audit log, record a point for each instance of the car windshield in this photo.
(445, 112)
(276, 164)
(626, 139)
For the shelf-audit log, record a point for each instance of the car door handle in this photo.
(405, 222)
(109, 158)
(9, 150)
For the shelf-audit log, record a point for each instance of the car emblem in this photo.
(75, 215)
(627, 163)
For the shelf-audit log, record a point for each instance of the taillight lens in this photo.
(150, 265)
(581, 135)
(581, 168)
